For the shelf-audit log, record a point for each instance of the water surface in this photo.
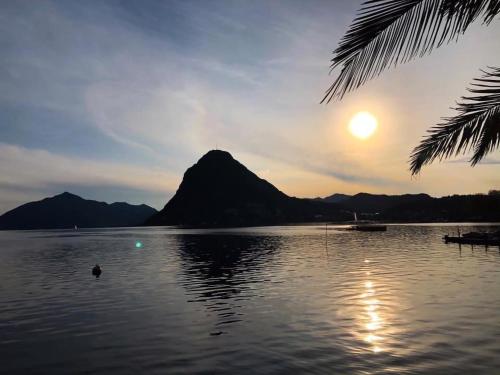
(276, 300)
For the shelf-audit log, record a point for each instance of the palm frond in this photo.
(475, 128)
(467, 11)
(390, 32)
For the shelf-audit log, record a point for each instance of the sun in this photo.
(363, 125)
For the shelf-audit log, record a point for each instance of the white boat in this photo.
(366, 226)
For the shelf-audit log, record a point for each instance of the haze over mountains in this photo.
(220, 191)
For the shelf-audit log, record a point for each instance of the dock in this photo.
(465, 240)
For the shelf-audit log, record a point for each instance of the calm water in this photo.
(278, 300)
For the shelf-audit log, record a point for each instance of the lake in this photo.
(271, 300)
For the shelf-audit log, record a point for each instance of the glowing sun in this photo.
(363, 125)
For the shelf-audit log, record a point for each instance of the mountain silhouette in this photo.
(377, 203)
(67, 210)
(220, 191)
(421, 207)
(335, 198)
(453, 208)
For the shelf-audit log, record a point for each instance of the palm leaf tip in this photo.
(475, 127)
(390, 32)
(466, 11)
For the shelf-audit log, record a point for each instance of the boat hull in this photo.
(369, 228)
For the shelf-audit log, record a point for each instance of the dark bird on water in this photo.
(96, 271)
(218, 333)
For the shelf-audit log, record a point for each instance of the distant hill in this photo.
(67, 210)
(220, 191)
(336, 198)
(377, 203)
(421, 207)
(454, 208)
(370, 204)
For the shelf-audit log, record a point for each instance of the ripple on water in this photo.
(257, 300)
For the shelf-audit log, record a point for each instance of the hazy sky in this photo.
(113, 100)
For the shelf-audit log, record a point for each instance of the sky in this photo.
(114, 100)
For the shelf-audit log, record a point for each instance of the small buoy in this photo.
(96, 271)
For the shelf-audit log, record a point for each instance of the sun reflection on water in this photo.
(372, 319)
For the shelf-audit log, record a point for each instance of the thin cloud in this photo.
(485, 161)
(165, 82)
(39, 170)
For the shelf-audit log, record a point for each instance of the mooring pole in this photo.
(326, 239)
(326, 233)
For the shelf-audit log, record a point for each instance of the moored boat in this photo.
(366, 226)
(370, 227)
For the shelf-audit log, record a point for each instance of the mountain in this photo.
(368, 205)
(220, 191)
(422, 207)
(336, 198)
(67, 210)
(377, 203)
(454, 208)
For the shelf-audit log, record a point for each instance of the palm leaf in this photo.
(390, 32)
(468, 10)
(475, 128)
